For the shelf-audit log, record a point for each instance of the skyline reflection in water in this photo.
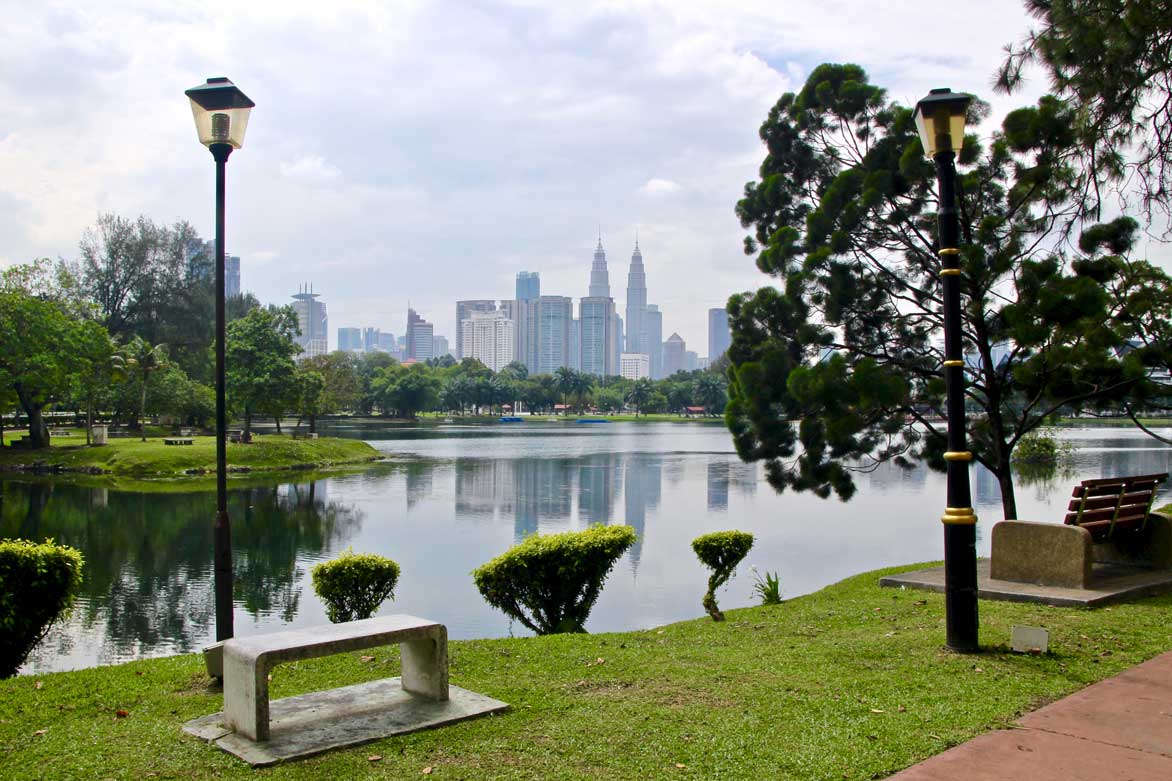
(449, 499)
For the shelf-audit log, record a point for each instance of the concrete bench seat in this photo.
(178, 441)
(247, 662)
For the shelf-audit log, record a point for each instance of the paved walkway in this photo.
(1120, 728)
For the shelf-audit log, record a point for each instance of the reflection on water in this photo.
(448, 500)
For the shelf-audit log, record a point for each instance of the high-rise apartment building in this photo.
(597, 317)
(312, 321)
(464, 310)
(719, 336)
(439, 346)
(653, 326)
(420, 335)
(528, 285)
(489, 337)
(388, 343)
(675, 355)
(350, 340)
(576, 345)
(549, 323)
(636, 304)
(635, 366)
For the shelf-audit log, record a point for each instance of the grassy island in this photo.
(851, 682)
(132, 458)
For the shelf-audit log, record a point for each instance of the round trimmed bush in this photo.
(38, 585)
(353, 585)
(721, 552)
(550, 582)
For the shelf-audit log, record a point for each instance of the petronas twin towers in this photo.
(602, 328)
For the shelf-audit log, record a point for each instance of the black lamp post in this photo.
(940, 120)
(221, 117)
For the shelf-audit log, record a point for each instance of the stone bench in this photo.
(247, 662)
(178, 441)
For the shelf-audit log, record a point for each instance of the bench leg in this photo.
(425, 665)
(246, 696)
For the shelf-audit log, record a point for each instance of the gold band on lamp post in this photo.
(948, 251)
(950, 272)
(953, 364)
(958, 455)
(959, 516)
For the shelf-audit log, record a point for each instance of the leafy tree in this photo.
(610, 399)
(38, 356)
(540, 392)
(842, 363)
(1112, 60)
(341, 383)
(407, 390)
(140, 359)
(370, 367)
(709, 392)
(95, 354)
(567, 383)
(515, 371)
(260, 373)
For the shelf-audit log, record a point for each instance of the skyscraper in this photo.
(597, 317)
(464, 310)
(419, 337)
(439, 346)
(371, 339)
(636, 304)
(528, 285)
(231, 276)
(599, 278)
(675, 355)
(312, 321)
(549, 324)
(653, 325)
(350, 340)
(719, 337)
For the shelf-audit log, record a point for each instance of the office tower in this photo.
(653, 326)
(231, 276)
(439, 346)
(528, 285)
(635, 366)
(350, 340)
(616, 345)
(549, 327)
(576, 344)
(599, 278)
(674, 355)
(597, 316)
(636, 304)
(386, 342)
(691, 360)
(370, 339)
(489, 337)
(464, 310)
(719, 336)
(420, 334)
(312, 321)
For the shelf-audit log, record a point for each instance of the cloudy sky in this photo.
(427, 151)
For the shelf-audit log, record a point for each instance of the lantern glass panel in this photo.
(220, 126)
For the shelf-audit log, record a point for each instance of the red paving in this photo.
(1120, 728)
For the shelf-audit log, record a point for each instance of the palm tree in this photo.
(567, 382)
(583, 384)
(710, 392)
(640, 394)
(140, 358)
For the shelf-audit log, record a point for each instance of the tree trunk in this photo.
(37, 430)
(1008, 499)
(277, 420)
(313, 424)
(247, 434)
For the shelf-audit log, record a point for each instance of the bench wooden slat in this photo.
(1105, 505)
(1139, 499)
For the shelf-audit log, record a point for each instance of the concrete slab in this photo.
(1110, 583)
(1038, 755)
(1121, 711)
(312, 723)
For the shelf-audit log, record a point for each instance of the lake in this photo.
(449, 498)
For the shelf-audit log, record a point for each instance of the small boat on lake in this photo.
(511, 419)
(592, 420)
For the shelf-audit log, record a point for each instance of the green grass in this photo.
(131, 458)
(851, 682)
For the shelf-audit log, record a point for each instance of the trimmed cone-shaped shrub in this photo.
(550, 582)
(38, 584)
(721, 552)
(353, 585)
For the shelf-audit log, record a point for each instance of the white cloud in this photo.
(659, 187)
(310, 168)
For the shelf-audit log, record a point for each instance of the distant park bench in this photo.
(60, 432)
(238, 436)
(1108, 521)
(178, 441)
(304, 435)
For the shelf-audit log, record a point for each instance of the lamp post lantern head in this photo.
(940, 120)
(221, 112)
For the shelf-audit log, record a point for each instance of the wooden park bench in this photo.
(178, 441)
(1113, 505)
(264, 733)
(1108, 521)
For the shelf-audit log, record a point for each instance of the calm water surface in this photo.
(451, 497)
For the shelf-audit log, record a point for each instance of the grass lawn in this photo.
(130, 457)
(851, 682)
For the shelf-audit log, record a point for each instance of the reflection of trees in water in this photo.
(718, 482)
(148, 557)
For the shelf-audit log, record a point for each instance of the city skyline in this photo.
(380, 197)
